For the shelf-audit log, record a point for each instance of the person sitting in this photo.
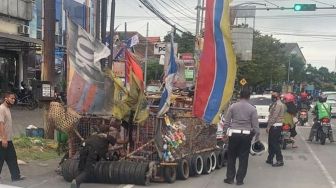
(289, 115)
(321, 110)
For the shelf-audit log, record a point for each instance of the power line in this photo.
(177, 10)
(185, 8)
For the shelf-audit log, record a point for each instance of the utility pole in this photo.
(49, 41)
(97, 30)
(87, 16)
(125, 37)
(198, 8)
(202, 16)
(112, 32)
(103, 26)
(146, 56)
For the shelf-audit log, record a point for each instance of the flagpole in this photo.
(146, 57)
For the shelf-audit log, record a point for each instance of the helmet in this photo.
(323, 98)
(289, 98)
(303, 95)
(258, 148)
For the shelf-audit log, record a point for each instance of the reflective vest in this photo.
(323, 110)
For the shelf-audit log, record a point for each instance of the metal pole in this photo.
(198, 17)
(289, 62)
(103, 26)
(49, 41)
(97, 32)
(112, 32)
(87, 16)
(146, 56)
(202, 15)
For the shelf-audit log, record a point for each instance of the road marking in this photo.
(323, 168)
(128, 186)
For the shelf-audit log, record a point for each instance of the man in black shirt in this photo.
(94, 148)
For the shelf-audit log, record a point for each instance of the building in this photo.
(17, 46)
(293, 49)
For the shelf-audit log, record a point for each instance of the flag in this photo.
(133, 66)
(169, 80)
(134, 40)
(217, 69)
(86, 88)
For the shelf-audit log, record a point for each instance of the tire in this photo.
(129, 170)
(110, 172)
(196, 165)
(183, 169)
(115, 178)
(143, 179)
(220, 159)
(132, 174)
(322, 138)
(65, 171)
(284, 145)
(169, 174)
(106, 171)
(213, 160)
(207, 164)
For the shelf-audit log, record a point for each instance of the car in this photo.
(331, 99)
(262, 104)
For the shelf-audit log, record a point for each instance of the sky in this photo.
(314, 31)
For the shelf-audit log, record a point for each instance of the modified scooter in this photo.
(324, 131)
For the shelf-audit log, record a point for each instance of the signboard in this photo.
(243, 81)
(119, 69)
(160, 48)
(189, 74)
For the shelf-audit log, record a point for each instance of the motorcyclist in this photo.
(290, 113)
(303, 103)
(321, 110)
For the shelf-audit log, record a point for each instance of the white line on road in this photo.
(323, 168)
(128, 186)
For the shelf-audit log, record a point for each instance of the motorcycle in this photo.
(303, 117)
(24, 96)
(285, 136)
(323, 131)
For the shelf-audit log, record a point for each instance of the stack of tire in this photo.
(123, 172)
(197, 164)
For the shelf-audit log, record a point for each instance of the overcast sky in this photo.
(314, 31)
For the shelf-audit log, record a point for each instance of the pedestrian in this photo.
(274, 126)
(95, 148)
(7, 150)
(241, 124)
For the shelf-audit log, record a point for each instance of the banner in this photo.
(217, 69)
(86, 88)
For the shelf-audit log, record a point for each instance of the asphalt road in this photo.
(308, 166)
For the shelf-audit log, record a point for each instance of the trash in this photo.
(20, 162)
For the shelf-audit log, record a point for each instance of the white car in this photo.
(331, 99)
(262, 104)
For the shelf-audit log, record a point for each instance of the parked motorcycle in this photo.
(323, 131)
(285, 136)
(24, 96)
(303, 116)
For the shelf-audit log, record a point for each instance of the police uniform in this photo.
(241, 123)
(275, 122)
(94, 148)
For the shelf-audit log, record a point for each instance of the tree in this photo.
(154, 70)
(186, 42)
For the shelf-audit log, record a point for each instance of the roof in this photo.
(153, 39)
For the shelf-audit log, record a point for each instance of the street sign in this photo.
(160, 48)
(243, 81)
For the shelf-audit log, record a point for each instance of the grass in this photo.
(31, 148)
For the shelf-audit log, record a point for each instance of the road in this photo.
(310, 165)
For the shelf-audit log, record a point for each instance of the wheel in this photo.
(196, 165)
(110, 171)
(220, 159)
(213, 160)
(207, 164)
(169, 174)
(284, 145)
(129, 170)
(141, 178)
(116, 167)
(32, 104)
(106, 171)
(132, 174)
(322, 138)
(183, 169)
(65, 170)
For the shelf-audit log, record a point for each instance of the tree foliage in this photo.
(185, 41)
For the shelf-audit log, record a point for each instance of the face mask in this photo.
(273, 98)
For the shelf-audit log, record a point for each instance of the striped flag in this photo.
(168, 90)
(217, 69)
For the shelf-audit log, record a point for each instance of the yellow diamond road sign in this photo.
(243, 81)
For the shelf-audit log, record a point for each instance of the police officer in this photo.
(241, 124)
(95, 147)
(273, 129)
